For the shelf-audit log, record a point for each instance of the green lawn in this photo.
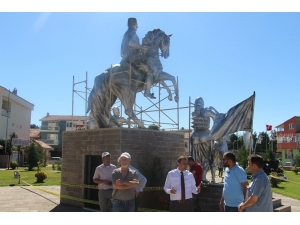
(7, 177)
(289, 188)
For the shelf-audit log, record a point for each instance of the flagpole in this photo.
(266, 137)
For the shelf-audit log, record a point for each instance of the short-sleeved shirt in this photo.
(104, 173)
(260, 187)
(127, 194)
(198, 175)
(233, 191)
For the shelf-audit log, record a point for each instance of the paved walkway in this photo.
(30, 199)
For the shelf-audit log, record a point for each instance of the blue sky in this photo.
(221, 56)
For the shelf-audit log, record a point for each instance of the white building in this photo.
(15, 114)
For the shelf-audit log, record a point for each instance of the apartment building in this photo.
(288, 139)
(15, 114)
(53, 126)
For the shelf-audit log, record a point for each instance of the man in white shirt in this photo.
(103, 177)
(180, 184)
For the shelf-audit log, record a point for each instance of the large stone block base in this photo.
(208, 199)
(82, 150)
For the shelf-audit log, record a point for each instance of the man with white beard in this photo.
(124, 181)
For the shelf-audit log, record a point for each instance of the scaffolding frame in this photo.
(140, 111)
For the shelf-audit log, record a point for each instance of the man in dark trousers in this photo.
(196, 170)
(125, 181)
(180, 184)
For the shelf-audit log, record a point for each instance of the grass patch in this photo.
(289, 188)
(7, 177)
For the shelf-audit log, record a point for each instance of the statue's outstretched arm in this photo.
(212, 108)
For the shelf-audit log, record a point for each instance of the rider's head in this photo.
(199, 103)
(132, 23)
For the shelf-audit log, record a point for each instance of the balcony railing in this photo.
(5, 113)
(50, 141)
(48, 128)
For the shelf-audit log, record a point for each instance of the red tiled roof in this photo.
(43, 145)
(35, 133)
(64, 118)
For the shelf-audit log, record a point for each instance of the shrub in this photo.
(280, 169)
(40, 176)
(53, 166)
(13, 164)
(59, 167)
(273, 179)
(295, 169)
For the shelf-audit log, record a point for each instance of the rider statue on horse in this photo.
(138, 55)
(139, 69)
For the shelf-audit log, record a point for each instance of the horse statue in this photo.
(123, 81)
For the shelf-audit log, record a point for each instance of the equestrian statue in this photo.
(139, 69)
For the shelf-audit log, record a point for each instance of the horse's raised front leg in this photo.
(165, 76)
(165, 86)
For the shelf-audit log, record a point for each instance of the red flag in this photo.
(269, 127)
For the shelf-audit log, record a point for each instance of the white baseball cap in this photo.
(105, 154)
(125, 154)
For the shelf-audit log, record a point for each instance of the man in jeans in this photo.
(125, 181)
(102, 177)
(235, 184)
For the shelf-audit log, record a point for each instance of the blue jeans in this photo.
(123, 205)
(231, 209)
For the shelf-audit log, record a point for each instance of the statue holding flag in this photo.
(205, 142)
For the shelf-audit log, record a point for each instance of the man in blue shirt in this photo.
(235, 184)
(259, 194)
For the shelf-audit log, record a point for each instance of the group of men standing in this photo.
(238, 195)
(119, 187)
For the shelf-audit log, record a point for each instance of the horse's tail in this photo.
(101, 100)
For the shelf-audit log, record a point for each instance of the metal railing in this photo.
(49, 128)
(50, 141)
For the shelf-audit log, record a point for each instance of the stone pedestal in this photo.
(142, 144)
(208, 199)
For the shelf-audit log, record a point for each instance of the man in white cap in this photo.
(102, 177)
(125, 181)
(142, 183)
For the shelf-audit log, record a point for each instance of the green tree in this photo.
(269, 155)
(35, 154)
(297, 159)
(242, 156)
(153, 127)
(33, 126)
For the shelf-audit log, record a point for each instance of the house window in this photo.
(5, 105)
(291, 126)
(52, 136)
(289, 154)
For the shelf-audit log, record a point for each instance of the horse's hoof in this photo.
(176, 98)
(170, 98)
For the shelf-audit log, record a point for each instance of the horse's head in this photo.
(159, 39)
(164, 45)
